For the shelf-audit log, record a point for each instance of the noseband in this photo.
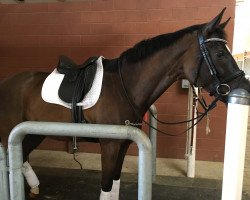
(218, 84)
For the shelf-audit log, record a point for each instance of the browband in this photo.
(215, 40)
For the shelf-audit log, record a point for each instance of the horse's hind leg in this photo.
(109, 154)
(31, 142)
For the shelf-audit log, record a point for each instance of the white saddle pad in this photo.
(53, 81)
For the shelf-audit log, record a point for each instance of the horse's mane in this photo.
(149, 46)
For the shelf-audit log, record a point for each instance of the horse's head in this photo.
(214, 68)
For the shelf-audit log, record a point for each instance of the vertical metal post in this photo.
(236, 133)
(87, 130)
(4, 183)
(153, 137)
(191, 135)
(16, 180)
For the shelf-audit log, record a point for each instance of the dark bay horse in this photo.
(131, 83)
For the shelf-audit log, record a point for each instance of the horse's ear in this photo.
(210, 26)
(224, 24)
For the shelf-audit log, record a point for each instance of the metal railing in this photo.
(153, 137)
(4, 183)
(16, 155)
(87, 130)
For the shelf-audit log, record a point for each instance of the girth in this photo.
(76, 83)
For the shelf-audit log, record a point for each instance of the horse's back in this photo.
(14, 88)
(13, 93)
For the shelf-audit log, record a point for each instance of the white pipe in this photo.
(236, 133)
(191, 135)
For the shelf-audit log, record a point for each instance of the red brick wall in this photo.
(32, 36)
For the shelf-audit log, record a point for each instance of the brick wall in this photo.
(32, 36)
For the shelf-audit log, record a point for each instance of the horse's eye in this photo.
(220, 54)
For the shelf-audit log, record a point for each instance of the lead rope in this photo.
(75, 149)
(208, 130)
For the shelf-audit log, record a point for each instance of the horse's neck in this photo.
(147, 80)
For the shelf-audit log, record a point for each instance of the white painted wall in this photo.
(241, 41)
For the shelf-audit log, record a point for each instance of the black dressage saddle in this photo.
(76, 83)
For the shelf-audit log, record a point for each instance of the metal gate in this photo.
(15, 184)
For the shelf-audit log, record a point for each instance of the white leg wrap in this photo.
(105, 195)
(115, 190)
(31, 178)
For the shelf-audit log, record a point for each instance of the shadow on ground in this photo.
(68, 184)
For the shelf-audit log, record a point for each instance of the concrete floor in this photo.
(75, 184)
(165, 167)
(171, 182)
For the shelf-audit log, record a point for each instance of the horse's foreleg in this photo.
(109, 151)
(31, 142)
(118, 168)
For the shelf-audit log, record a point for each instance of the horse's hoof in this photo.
(34, 192)
(32, 195)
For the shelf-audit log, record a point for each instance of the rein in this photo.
(218, 85)
(140, 118)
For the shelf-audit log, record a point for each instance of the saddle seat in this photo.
(68, 67)
(78, 79)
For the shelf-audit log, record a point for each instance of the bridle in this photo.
(218, 85)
